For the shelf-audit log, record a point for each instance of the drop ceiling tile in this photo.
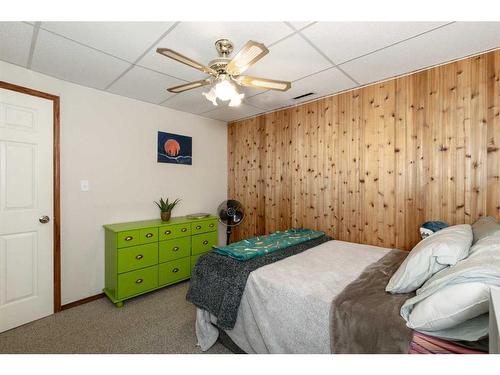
(232, 113)
(289, 60)
(145, 85)
(321, 84)
(196, 40)
(15, 42)
(190, 101)
(448, 43)
(127, 40)
(342, 41)
(64, 59)
(300, 24)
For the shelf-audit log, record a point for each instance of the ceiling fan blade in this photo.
(263, 83)
(189, 86)
(185, 60)
(246, 57)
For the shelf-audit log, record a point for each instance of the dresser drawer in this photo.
(148, 235)
(173, 271)
(135, 282)
(174, 249)
(168, 232)
(204, 226)
(201, 243)
(135, 257)
(128, 238)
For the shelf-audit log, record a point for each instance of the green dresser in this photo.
(146, 255)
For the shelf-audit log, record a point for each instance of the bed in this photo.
(268, 321)
(286, 307)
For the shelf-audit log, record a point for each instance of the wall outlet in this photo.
(84, 185)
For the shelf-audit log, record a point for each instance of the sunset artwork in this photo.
(174, 148)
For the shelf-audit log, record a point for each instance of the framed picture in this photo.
(174, 148)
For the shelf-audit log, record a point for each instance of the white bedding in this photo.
(285, 306)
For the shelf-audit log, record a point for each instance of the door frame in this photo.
(56, 182)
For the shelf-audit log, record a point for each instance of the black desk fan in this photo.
(231, 213)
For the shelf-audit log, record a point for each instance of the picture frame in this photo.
(174, 148)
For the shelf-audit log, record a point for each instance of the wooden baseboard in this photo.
(82, 301)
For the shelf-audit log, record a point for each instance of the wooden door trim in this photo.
(56, 181)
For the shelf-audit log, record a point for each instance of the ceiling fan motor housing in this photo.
(219, 65)
(224, 47)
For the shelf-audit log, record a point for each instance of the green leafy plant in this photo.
(166, 206)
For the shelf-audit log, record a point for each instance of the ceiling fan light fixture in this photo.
(211, 96)
(236, 100)
(225, 90)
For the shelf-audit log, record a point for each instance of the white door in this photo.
(26, 244)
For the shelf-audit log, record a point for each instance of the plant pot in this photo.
(165, 215)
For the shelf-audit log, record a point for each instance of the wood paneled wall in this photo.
(370, 165)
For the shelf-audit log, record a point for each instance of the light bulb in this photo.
(236, 100)
(210, 95)
(225, 90)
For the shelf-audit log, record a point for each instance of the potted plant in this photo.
(166, 208)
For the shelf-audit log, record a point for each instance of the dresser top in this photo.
(120, 227)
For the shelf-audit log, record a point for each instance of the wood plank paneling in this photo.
(245, 167)
(493, 142)
(370, 165)
(401, 162)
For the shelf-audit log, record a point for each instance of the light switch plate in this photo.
(84, 185)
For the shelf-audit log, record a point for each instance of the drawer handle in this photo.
(149, 235)
(175, 270)
(168, 231)
(183, 229)
(140, 256)
(212, 225)
(129, 238)
(175, 248)
(198, 227)
(205, 242)
(139, 281)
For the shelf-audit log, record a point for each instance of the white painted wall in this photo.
(110, 141)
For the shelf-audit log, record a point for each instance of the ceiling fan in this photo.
(226, 73)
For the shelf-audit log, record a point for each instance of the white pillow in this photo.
(450, 306)
(484, 227)
(434, 253)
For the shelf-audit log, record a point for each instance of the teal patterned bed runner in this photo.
(261, 245)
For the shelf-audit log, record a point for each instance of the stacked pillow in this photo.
(458, 302)
(450, 306)
(466, 299)
(434, 253)
(484, 227)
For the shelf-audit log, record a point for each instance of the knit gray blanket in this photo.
(365, 319)
(218, 281)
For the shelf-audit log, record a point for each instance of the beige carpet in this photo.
(158, 322)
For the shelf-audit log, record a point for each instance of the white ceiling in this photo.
(318, 57)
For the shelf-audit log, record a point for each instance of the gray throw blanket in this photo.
(218, 281)
(365, 319)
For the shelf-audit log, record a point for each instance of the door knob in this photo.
(44, 219)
